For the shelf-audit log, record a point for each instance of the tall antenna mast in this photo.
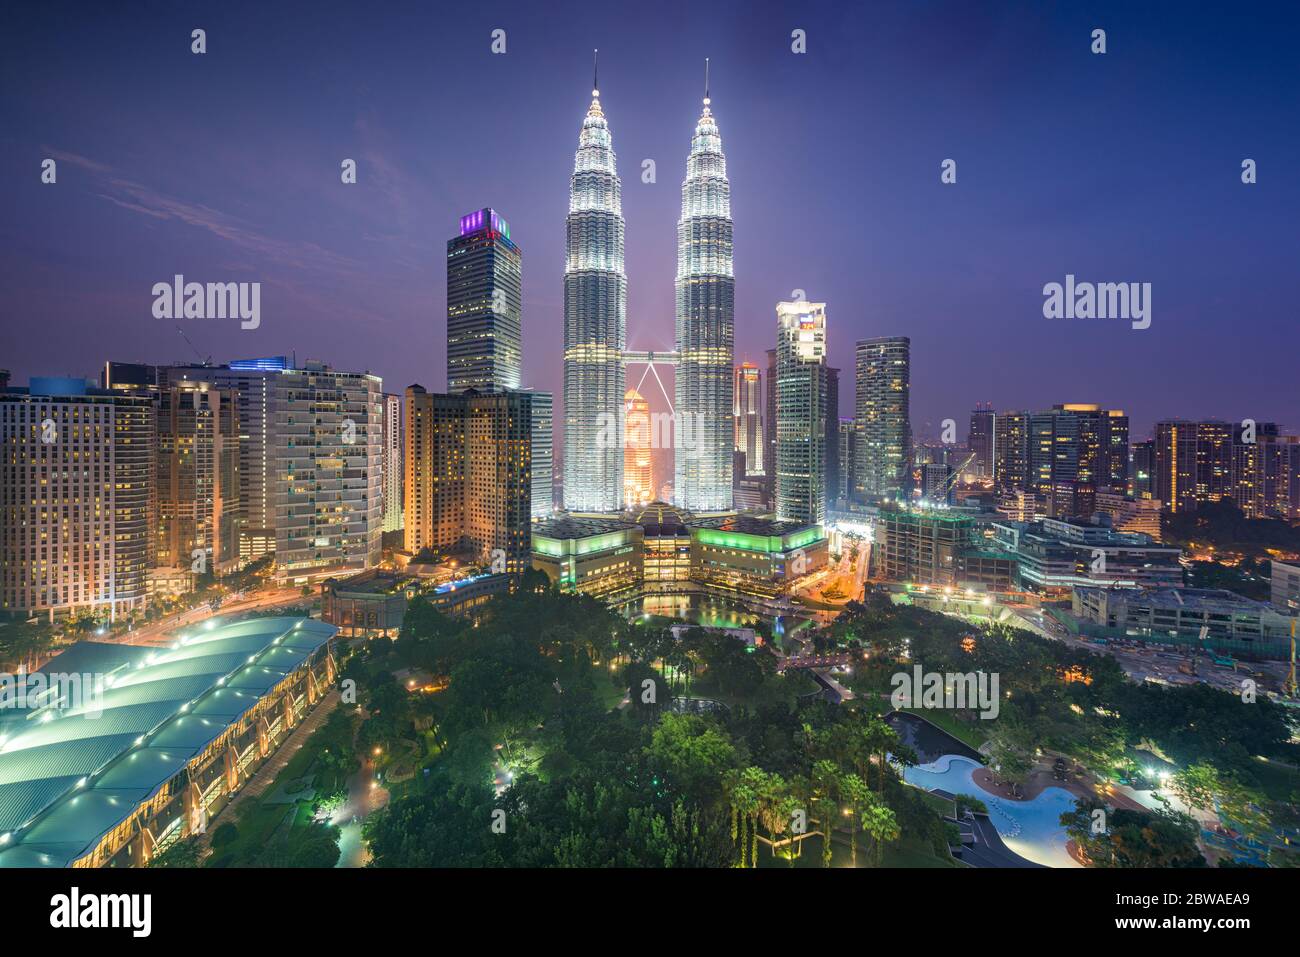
(595, 74)
(706, 81)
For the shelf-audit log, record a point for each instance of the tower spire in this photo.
(595, 74)
(706, 81)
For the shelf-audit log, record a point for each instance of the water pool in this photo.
(1031, 829)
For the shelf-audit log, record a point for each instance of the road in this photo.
(160, 632)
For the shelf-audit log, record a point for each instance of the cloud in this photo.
(147, 201)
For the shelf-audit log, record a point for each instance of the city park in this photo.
(550, 730)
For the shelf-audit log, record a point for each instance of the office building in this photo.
(595, 323)
(801, 412)
(1011, 450)
(705, 288)
(883, 384)
(484, 337)
(1193, 463)
(1056, 555)
(542, 434)
(982, 442)
(747, 415)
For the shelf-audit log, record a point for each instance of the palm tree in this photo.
(880, 822)
(857, 795)
(825, 782)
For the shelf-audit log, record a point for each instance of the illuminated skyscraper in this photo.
(748, 415)
(801, 411)
(484, 342)
(884, 373)
(638, 483)
(705, 324)
(595, 322)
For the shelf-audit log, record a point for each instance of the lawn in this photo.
(969, 734)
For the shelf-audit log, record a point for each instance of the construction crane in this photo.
(952, 479)
(199, 355)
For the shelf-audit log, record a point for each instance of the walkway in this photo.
(265, 776)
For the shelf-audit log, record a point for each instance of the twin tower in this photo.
(595, 325)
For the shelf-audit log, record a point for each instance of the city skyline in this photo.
(178, 213)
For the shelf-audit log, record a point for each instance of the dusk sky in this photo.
(1122, 167)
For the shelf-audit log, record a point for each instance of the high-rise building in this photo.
(1081, 444)
(484, 340)
(394, 473)
(327, 453)
(848, 442)
(1193, 463)
(469, 475)
(982, 441)
(769, 421)
(833, 461)
(883, 384)
(1141, 480)
(801, 412)
(595, 322)
(542, 432)
(747, 415)
(197, 523)
(705, 324)
(638, 483)
(1011, 450)
(76, 469)
(253, 381)
(1266, 473)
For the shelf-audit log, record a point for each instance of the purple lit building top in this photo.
(486, 218)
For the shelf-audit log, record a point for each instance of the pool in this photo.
(1031, 829)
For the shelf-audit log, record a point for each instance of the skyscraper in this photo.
(469, 477)
(595, 322)
(638, 484)
(705, 324)
(748, 416)
(981, 440)
(883, 385)
(392, 463)
(542, 432)
(76, 466)
(832, 412)
(327, 451)
(801, 412)
(1011, 450)
(484, 342)
(1193, 463)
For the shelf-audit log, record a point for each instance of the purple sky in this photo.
(1122, 167)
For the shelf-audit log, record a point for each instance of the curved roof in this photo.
(75, 765)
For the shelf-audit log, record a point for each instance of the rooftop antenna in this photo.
(595, 74)
(706, 81)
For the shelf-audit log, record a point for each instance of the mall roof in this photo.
(569, 527)
(72, 770)
(749, 524)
